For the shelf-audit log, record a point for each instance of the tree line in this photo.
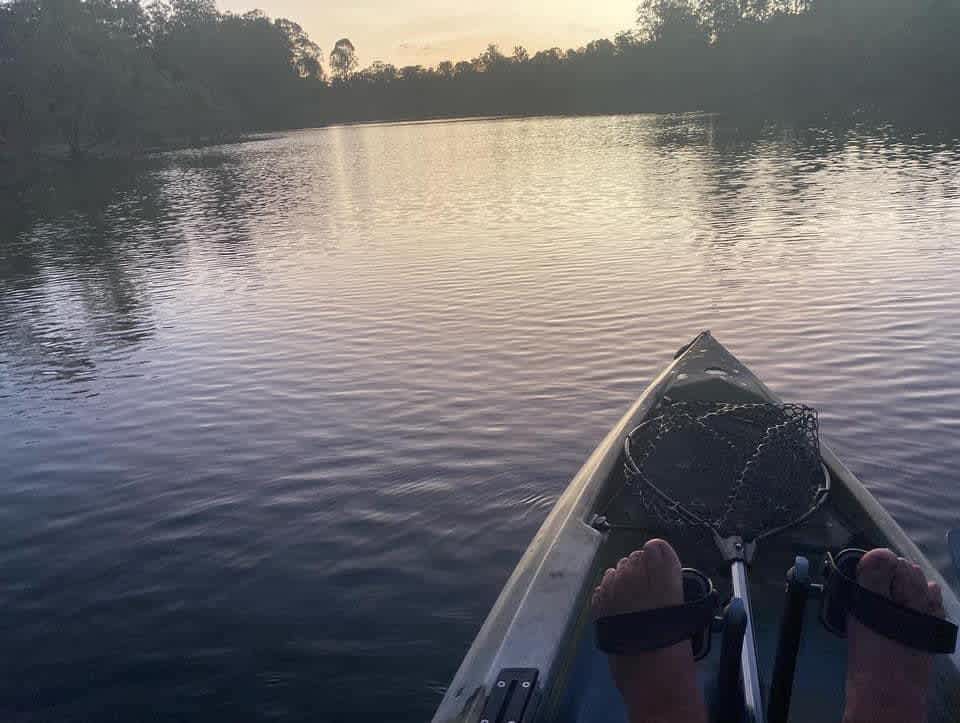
(102, 73)
(774, 57)
(118, 73)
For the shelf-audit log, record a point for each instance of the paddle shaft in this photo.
(752, 696)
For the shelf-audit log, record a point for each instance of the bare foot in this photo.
(659, 686)
(887, 682)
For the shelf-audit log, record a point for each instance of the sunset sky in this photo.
(428, 31)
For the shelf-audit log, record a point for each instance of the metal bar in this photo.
(752, 696)
(788, 643)
(728, 702)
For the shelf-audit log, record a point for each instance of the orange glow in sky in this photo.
(425, 32)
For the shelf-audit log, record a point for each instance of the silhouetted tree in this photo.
(79, 65)
(380, 72)
(670, 22)
(446, 69)
(343, 60)
(304, 53)
(492, 60)
(95, 72)
(719, 17)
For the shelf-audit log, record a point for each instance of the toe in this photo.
(662, 564)
(663, 572)
(599, 596)
(645, 579)
(935, 600)
(909, 586)
(918, 593)
(603, 595)
(633, 583)
(876, 571)
(662, 554)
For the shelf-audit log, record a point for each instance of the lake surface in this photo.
(277, 419)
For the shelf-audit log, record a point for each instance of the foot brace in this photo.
(843, 595)
(647, 630)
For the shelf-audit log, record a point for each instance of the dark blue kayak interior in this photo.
(819, 683)
(590, 696)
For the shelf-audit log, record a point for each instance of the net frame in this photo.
(796, 419)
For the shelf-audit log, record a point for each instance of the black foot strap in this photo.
(640, 632)
(843, 596)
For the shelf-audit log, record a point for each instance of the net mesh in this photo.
(744, 470)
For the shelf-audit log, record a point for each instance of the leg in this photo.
(659, 686)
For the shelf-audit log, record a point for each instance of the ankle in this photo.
(871, 704)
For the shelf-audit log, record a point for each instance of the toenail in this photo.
(658, 547)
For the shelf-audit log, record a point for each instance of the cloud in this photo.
(424, 47)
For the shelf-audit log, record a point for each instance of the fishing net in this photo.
(742, 470)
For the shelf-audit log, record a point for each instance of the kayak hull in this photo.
(541, 623)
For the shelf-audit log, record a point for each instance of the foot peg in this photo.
(843, 596)
(788, 643)
(728, 700)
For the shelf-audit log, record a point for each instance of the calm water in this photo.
(277, 419)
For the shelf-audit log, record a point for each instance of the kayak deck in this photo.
(542, 620)
(589, 693)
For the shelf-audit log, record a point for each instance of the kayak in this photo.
(536, 658)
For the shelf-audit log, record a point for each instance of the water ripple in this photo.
(279, 418)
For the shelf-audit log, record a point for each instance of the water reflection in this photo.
(70, 277)
(82, 264)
